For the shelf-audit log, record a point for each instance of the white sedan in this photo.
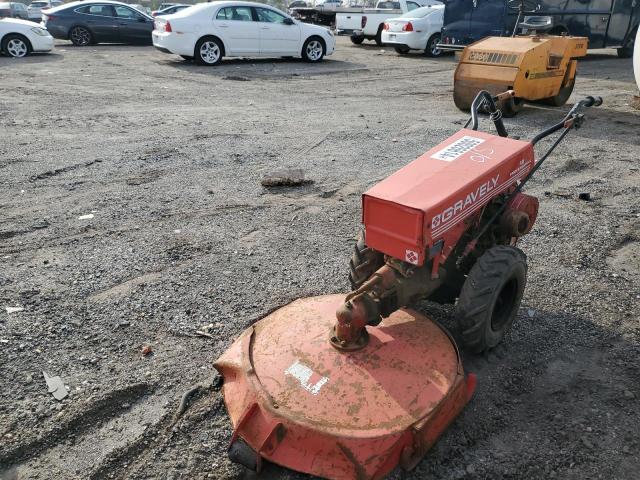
(18, 38)
(209, 31)
(418, 29)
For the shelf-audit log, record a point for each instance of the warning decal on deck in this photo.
(304, 375)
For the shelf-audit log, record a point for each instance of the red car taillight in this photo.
(363, 22)
(386, 26)
(162, 25)
(408, 27)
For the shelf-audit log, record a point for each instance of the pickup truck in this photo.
(367, 23)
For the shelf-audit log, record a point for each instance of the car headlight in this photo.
(40, 31)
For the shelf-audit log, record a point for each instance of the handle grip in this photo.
(591, 101)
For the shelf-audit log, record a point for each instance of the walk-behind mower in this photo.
(355, 397)
(540, 68)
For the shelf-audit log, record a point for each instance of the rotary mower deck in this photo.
(350, 388)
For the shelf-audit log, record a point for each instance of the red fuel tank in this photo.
(408, 212)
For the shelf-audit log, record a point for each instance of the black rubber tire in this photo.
(402, 50)
(364, 262)
(378, 38)
(357, 39)
(81, 36)
(187, 58)
(490, 297)
(562, 96)
(627, 50)
(431, 51)
(305, 54)
(198, 56)
(16, 36)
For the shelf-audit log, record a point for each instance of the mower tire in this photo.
(490, 297)
(364, 262)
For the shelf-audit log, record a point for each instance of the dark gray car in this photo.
(87, 23)
(13, 10)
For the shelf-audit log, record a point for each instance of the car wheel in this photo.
(432, 49)
(357, 39)
(313, 50)
(80, 36)
(16, 46)
(209, 51)
(402, 50)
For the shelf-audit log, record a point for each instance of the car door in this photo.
(100, 19)
(133, 26)
(238, 30)
(279, 35)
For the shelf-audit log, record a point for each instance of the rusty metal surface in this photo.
(303, 404)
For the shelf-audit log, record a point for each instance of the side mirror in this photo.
(288, 21)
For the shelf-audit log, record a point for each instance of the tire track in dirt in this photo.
(91, 417)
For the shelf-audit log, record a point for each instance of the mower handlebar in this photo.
(488, 101)
(573, 119)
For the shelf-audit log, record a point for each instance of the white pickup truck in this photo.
(367, 23)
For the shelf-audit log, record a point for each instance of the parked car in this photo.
(210, 31)
(13, 10)
(607, 23)
(298, 4)
(418, 29)
(87, 23)
(19, 38)
(169, 10)
(367, 24)
(166, 5)
(35, 9)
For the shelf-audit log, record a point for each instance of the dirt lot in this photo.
(168, 157)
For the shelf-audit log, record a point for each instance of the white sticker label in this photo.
(411, 256)
(303, 374)
(457, 148)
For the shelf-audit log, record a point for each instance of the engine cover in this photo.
(429, 199)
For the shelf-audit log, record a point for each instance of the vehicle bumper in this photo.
(414, 41)
(40, 43)
(347, 31)
(172, 42)
(56, 31)
(450, 47)
(331, 45)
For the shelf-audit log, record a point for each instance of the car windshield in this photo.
(39, 4)
(419, 12)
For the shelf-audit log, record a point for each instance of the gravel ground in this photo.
(167, 157)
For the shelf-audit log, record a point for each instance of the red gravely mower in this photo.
(350, 388)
